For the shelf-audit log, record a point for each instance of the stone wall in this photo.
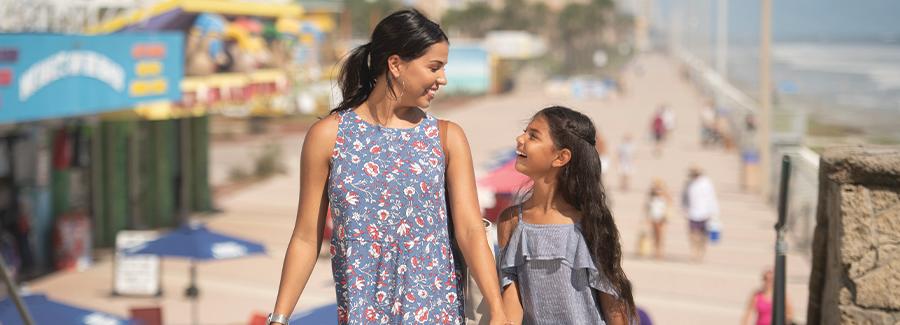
(855, 276)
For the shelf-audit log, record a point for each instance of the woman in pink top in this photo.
(761, 303)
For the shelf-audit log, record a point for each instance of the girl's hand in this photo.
(499, 318)
(501, 321)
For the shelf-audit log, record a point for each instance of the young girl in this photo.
(561, 256)
(377, 160)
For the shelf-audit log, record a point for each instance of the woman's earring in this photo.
(402, 88)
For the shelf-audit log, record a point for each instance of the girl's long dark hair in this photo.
(580, 185)
(406, 33)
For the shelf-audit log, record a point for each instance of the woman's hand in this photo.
(499, 318)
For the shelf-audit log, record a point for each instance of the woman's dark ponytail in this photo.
(355, 79)
(405, 33)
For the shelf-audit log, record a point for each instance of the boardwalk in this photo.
(674, 291)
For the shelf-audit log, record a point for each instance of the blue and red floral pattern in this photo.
(390, 249)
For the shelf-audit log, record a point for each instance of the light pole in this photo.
(765, 96)
(722, 39)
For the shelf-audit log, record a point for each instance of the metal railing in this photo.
(789, 127)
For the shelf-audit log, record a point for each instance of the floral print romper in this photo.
(390, 248)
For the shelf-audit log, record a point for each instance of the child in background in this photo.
(658, 203)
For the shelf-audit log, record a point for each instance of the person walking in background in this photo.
(708, 134)
(700, 204)
(658, 131)
(561, 258)
(724, 133)
(378, 161)
(668, 115)
(759, 307)
(625, 161)
(657, 212)
(602, 150)
(749, 155)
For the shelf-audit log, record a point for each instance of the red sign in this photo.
(5, 76)
(148, 51)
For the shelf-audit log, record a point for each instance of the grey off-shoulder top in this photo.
(555, 274)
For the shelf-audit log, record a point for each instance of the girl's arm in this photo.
(512, 303)
(614, 311)
(306, 239)
(467, 224)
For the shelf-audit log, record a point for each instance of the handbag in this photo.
(645, 244)
(714, 229)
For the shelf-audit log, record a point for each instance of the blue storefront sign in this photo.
(45, 76)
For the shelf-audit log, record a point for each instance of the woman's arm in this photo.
(306, 239)
(747, 319)
(512, 303)
(467, 224)
(614, 310)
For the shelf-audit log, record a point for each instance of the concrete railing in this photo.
(856, 251)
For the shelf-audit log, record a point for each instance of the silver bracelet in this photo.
(277, 318)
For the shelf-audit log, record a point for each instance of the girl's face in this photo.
(536, 154)
(420, 78)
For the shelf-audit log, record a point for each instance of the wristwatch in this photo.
(277, 318)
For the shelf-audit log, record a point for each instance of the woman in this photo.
(377, 160)
(760, 304)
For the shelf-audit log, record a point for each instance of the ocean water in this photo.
(838, 60)
(877, 64)
(864, 75)
(855, 84)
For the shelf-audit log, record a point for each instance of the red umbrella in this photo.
(506, 179)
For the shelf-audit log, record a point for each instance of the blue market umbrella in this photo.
(197, 243)
(46, 311)
(325, 315)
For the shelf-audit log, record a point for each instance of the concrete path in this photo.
(673, 290)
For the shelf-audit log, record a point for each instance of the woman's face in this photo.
(421, 78)
(535, 150)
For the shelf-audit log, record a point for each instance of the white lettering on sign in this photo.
(100, 319)
(228, 250)
(71, 64)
